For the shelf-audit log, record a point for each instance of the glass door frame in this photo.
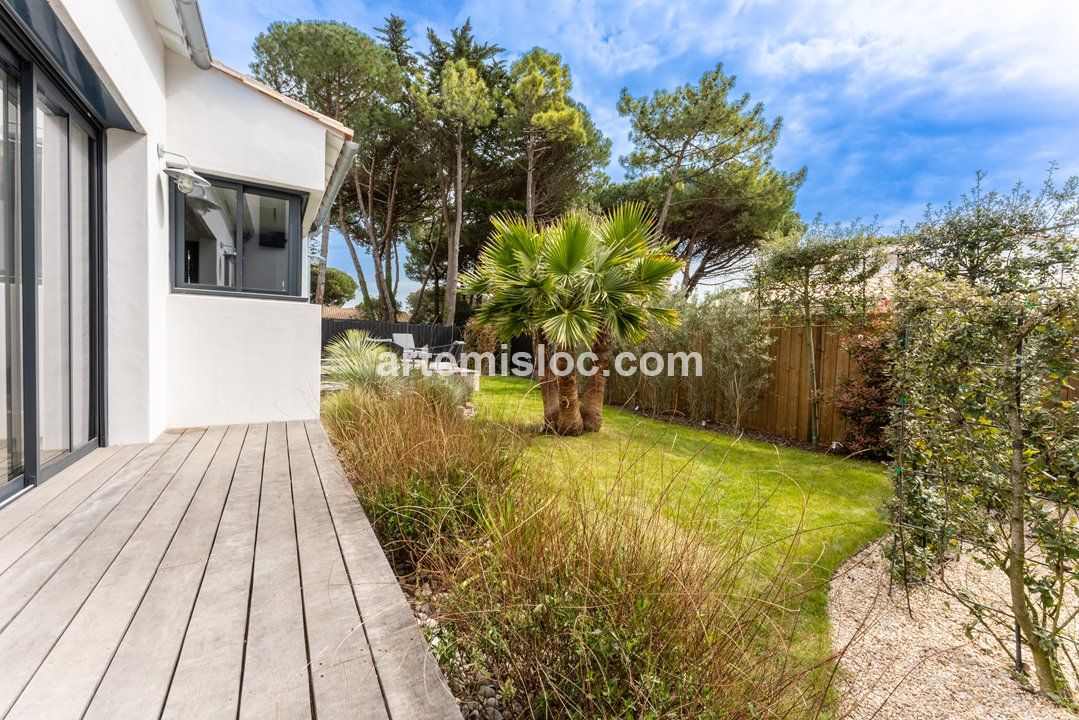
(37, 79)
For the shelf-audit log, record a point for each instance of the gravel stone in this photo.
(923, 668)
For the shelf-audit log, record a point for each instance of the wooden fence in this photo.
(782, 408)
(435, 337)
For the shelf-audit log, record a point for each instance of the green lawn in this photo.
(831, 505)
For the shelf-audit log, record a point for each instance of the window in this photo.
(237, 238)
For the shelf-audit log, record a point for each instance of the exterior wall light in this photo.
(186, 178)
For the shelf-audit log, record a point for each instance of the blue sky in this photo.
(892, 104)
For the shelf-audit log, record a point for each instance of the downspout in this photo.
(194, 32)
(337, 179)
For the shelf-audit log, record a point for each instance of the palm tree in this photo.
(509, 274)
(626, 280)
(579, 282)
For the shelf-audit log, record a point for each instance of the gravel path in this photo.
(899, 668)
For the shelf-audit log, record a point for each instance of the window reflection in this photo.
(209, 249)
(265, 227)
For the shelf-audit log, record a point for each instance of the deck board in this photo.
(137, 678)
(276, 681)
(215, 573)
(31, 635)
(46, 495)
(66, 680)
(343, 674)
(27, 533)
(206, 682)
(36, 565)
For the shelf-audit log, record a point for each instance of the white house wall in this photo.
(242, 360)
(178, 360)
(224, 127)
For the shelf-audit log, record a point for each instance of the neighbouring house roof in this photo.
(332, 125)
(339, 313)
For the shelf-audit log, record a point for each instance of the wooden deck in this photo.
(225, 572)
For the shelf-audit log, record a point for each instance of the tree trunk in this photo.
(687, 288)
(569, 406)
(595, 390)
(530, 191)
(385, 304)
(455, 240)
(811, 359)
(426, 275)
(548, 382)
(671, 182)
(356, 264)
(1050, 681)
(324, 254)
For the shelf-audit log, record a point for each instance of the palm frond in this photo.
(655, 271)
(567, 247)
(569, 327)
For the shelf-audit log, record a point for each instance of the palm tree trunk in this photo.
(595, 391)
(548, 382)
(569, 405)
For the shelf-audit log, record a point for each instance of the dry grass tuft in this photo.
(577, 605)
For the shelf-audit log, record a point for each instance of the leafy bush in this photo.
(865, 398)
(733, 340)
(576, 605)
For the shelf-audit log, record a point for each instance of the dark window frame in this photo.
(297, 206)
(37, 76)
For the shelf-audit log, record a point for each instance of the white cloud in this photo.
(890, 102)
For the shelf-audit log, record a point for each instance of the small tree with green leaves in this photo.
(339, 287)
(987, 428)
(823, 272)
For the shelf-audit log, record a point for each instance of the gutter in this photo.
(333, 187)
(194, 32)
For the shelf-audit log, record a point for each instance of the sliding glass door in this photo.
(50, 308)
(11, 350)
(63, 296)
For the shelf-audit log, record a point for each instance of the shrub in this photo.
(865, 398)
(480, 337)
(732, 338)
(578, 606)
(354, 359)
